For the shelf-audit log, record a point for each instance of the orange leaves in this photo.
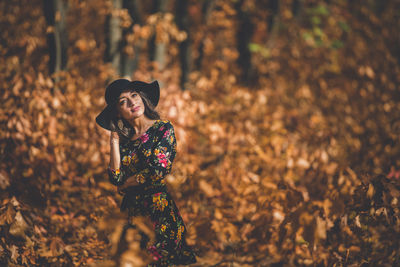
(8, 214)
(84, 45)
(264, 147)
(367, 71)
(4, 180)
(226, 232)
(273, 169)
(207, 188)
(54, 249)
(18, 226)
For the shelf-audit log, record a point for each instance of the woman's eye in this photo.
(122, 102)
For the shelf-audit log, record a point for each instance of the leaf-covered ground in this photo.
(300, 168)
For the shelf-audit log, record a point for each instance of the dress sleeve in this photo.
(159, 158)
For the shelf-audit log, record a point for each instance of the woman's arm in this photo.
(115, 173)
(159, 159)
(130, 181)
(114, 151)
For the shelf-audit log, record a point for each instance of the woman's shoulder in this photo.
(163, 125)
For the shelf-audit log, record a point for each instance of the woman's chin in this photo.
(133, 116)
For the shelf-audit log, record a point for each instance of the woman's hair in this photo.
(123, 128)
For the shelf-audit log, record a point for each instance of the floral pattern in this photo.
(159, 201)
(144, 138)
(149, 158)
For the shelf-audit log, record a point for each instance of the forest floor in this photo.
(298, 167)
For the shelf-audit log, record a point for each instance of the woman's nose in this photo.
(130, 102)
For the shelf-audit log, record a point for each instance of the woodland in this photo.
(286, 113)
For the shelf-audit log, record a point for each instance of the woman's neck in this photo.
(140, 124)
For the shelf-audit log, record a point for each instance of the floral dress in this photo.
(149, 158)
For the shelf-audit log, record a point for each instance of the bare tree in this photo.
(244, 34)
(273, 21)
(208, 7)
(114, 37)
(158, 48)
(128, 62)
(57, 39)
(185, 48)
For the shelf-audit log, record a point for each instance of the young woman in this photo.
(143, 148)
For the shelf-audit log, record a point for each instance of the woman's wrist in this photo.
(114, 141)
(131, 181)
(114, 170)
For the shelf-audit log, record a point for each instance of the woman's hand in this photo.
(121, 190)
(131, 181)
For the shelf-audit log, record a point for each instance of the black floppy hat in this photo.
(114, 90)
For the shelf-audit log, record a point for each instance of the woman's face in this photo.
(130, 105)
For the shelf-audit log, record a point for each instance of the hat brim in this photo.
(151, 90)
(154, 94)
(104, 118)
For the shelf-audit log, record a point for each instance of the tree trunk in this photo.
(379, 6)
(114, 37)
(129, 63)
(57, 39)
(158, 48)
(244, 34)
(297, 8)
(273, 21)
(185, 55)
(208, 6)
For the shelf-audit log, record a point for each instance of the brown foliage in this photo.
(302, 169)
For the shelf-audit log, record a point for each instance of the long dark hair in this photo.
(122, 126)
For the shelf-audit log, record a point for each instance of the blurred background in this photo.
(287, 116)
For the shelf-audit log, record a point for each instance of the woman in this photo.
(143, 148)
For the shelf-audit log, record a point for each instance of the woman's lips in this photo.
(135, 109)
